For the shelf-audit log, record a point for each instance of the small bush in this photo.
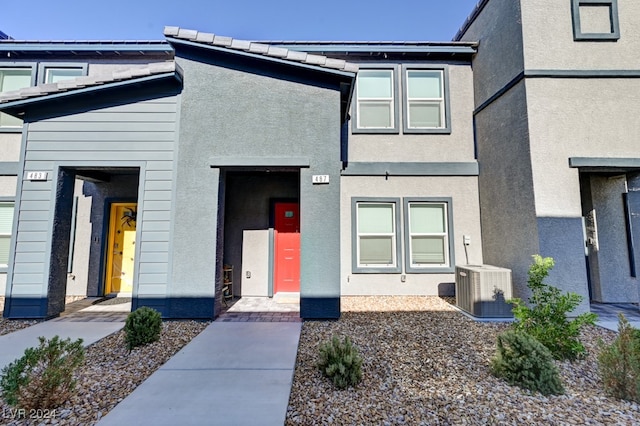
(341, 362)
(619, 363)
(142, 326)
(43, 377)
(523, 361)
(546, 319)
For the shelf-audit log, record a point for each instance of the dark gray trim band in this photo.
(9, 168)
(470, 168)
(556, 74)
(604, 162)
(259, 162)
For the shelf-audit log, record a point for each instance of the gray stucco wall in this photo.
(463, 191)
(498, 28)
(509, 230)
(548, 37)
(237, 111)
(454, 147)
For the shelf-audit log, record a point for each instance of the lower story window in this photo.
(376, 235)
(6, 225)
(428, 234)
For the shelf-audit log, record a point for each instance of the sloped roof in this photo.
(149, 70)
(260, 49)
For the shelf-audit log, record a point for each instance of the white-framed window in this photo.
(53, 75)
(6, 225)
(425, 99)
(13, 78)
(376, 235)
(376, 101)
(427, 234)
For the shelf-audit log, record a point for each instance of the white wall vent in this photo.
(482, 290)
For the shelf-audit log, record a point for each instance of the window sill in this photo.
(434, 270)
(377, 270)
(375, 131)
(442, 131)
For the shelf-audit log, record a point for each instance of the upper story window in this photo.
(52, 72)
(595, 20)
(53, 75)
(423, 95)
(13, 78)
(376, 108)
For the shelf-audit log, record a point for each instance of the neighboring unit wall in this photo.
(549, 40)
(140, 136)
(506, 194)
(499, 60)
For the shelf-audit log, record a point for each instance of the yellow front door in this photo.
(121, 248)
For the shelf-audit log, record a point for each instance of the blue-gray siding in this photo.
(138, 135)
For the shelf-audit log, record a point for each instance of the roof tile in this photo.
(260, 49)
(89, 81)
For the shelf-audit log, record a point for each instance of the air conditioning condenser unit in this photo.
(483, 290)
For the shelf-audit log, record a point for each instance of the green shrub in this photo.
(43, 377)
(142, 326)
(341, 362)
(523, 361)
(546, 317)
(619, 363)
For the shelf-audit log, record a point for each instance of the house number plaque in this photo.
(317, 179)
(37, 175)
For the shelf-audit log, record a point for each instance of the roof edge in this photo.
(259, 50)
(470, 19)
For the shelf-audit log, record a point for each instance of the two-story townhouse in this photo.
(242, 154)
(556, 118)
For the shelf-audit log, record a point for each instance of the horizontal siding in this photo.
(155, 246)
(152, 290)
(32, 236)
(150, 225)
(140, 132)
(113, 136)
(153, 268)
(107, 146)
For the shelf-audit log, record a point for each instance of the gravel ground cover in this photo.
(8, 326)
(110, 373)
(425, 363)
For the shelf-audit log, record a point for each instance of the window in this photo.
(6, 225)
(53, 75)
(425, 101)
(428, 237)
(376, 108)
(376, 235)
(13, 79)
(595, 20)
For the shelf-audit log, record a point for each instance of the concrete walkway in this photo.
(12, 345)
(233, 373)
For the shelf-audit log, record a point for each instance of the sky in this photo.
(346, 20)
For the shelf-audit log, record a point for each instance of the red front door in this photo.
(287, 247)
